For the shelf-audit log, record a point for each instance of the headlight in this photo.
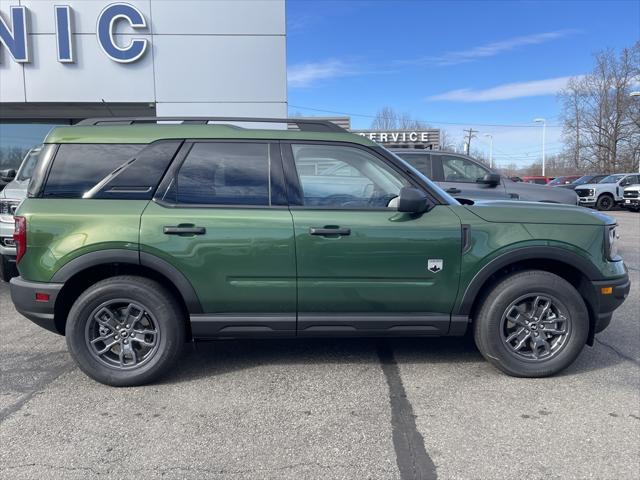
(612, 243)
(8, 209)
(592, 192)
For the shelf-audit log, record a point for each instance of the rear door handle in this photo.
(184, 230)
(326, 231)
(453, 190)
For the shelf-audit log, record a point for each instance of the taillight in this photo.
(20, 237)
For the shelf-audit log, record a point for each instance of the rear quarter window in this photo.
(78, 167)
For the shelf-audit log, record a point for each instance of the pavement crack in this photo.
(412, 458)
(618, 352)
(50, 375)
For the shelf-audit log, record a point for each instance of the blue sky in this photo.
(492, 65)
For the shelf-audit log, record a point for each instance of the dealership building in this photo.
(64, 60)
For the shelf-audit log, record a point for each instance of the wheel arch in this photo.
(86, 270)
(568, 265)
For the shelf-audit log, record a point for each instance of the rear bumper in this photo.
(23, 295)
(608, 303)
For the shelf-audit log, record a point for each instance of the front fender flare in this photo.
(465, 304)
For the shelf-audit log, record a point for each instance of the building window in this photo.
(16, 139)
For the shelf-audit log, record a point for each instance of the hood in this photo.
(537, 212)
(15, 190)
(632, 187)
(587, 186)
(532, 191)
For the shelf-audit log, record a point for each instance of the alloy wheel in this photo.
(122, 334)
(535, 327)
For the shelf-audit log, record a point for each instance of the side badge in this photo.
(434, 265)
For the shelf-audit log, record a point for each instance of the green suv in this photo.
(139, 235)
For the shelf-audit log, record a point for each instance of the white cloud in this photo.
(495, 48)
(307, 74)
(507, 91)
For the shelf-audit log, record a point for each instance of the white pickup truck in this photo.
(608, 192)
(632, 198)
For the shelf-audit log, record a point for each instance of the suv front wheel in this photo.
(125, 331)
(605, 202)
(532, 324)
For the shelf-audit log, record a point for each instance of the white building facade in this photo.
(63, 60)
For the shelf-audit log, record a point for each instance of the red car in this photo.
(539, 180)
(563, 180)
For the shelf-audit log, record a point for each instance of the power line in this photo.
(520, 125)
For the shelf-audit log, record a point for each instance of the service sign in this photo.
(429, 138)
(14, 33)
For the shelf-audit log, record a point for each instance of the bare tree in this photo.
(388, 119)
(600, 131)
(385, 119)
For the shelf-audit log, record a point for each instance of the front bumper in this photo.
(631, 203)
(607, 303)
(40, 312)
(587, 201)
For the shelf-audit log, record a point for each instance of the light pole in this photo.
(490, 137)
(636, 95)
(544, 133)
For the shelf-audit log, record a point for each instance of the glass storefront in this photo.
(16, 139)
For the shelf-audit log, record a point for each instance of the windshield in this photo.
(558, 181)
(28, 165)
(611, 179)
(582, 180)
(441, 192)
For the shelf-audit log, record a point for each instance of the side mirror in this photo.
(413, 200)
(490, 179)
(8, 175)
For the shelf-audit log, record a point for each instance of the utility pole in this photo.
(469, 134)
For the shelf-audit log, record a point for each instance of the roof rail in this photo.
(305, 125)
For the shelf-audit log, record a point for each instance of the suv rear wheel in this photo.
(532, 324)
(605, 202)
(125, 331)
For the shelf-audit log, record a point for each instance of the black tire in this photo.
(8, 269)
(490, 327)
(605, 202)
(160, 314)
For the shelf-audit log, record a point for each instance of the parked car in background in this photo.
(6, 177)
(10, 199)
(632, 198)
(538, 180)
(563, 180)
(608, 192)
(464, 177)
(584, 180)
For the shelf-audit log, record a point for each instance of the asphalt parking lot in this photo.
(350, 409)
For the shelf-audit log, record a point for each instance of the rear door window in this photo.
(221, 173)
(419, 161)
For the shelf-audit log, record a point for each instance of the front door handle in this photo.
(329, 231)
(453, 190)
(184, 230)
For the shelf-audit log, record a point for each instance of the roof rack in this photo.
(304, 125)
